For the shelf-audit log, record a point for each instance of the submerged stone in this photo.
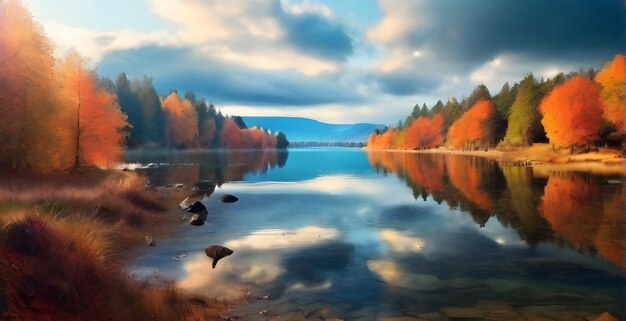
(149, 241)
(228, 198)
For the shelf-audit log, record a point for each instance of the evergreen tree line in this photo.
(567, 110)
(182, 122)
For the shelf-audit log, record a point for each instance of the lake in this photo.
(355, 235)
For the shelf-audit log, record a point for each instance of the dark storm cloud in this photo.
(404, 83)
(315, 34)
(457, 37)
(475, 31)
(220, 82)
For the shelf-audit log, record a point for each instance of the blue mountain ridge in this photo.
(298, 129)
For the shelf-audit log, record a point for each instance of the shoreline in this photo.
(541, 158)
(75, 233)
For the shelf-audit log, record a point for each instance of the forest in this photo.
(575, 110)
(59, 113)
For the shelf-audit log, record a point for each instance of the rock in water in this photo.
(198, 208)
(150, 241)
(196, 220)
(185, 204)
(217, 252)
(227, 198)
(199, 214)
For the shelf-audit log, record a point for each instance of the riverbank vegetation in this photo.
(572, 112)
(64, 239)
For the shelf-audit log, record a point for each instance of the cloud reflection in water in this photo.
(258, 260)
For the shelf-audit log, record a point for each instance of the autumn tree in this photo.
(231, 135)
(28, 107)
(572, 113)
(181, 123)
(524, 118)
(92, 118)
(386, 139)
(612, 78)
(473, 129)
(424, 132)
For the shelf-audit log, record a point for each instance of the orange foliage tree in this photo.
(259, 139)
(181, 123)
(249, 138)
(93, 122)
(474, 128)
(572, 113)
(28, 107)
(384, 140)
(231, 136)
(612, 78)
(424, 132)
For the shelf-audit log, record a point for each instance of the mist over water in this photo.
(356, 235)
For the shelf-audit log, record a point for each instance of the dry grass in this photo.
(544, 159)
(63, 240)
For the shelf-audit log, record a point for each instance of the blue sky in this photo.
(338, 61)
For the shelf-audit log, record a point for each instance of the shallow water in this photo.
(355, 235)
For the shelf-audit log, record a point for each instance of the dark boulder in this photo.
(198, 208)
(228, 198)
(200, 214)
(197, 220)
(217, 252)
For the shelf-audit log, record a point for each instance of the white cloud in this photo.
(273, 239)
(247, 33)
(400, 242)
(94, 44)
(394, 274)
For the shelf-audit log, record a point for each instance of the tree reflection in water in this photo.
(585, 213)
(578, 209)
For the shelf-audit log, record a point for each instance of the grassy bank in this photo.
(545, 159)
(64, 240)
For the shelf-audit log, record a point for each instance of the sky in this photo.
(341, 61)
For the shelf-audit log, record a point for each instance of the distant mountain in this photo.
(309, 130)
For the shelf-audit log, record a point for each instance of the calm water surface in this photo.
(355, 235)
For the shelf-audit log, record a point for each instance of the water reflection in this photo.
(196, 167)
(583, 210)
(469, 239)
(259, 261)
(587, 214)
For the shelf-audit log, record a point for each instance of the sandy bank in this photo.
(544, 159)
